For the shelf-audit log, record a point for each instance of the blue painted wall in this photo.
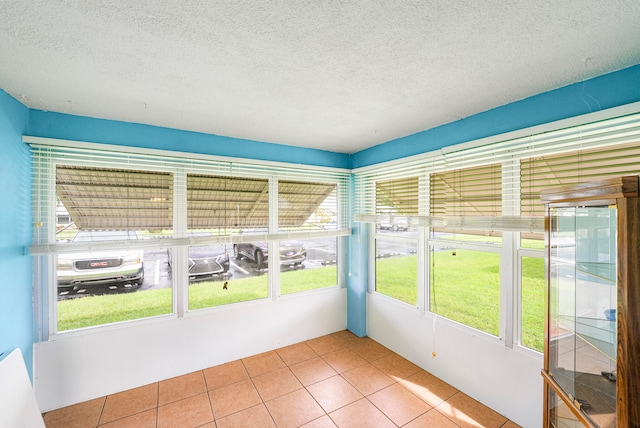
(79, 128)
(603, 92)
(16, 313)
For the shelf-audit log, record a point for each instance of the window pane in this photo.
(114, 199)
(465, 287)
(216, 278)
(119, 282)
(308, 265)
(533, 286)
(397, 269)
(307, 205)
(224, 205)
(396, 199)
(219, 206)
(96, 288)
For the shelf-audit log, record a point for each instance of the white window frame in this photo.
(599, 129)
(45, 248)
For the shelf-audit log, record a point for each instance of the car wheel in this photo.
(236, 253)
(259, 258)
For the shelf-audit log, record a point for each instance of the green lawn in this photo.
(105, 309)
(465, 288)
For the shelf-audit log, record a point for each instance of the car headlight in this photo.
(222, 257)
(65, 263)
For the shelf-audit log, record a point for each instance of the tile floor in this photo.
(338, 380)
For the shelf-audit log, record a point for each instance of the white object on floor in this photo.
(18, 406)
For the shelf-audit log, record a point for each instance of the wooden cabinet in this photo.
(592, 327)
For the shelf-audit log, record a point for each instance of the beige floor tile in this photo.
(79, 415)
(263, 363)
(346, 337)
(398, 404)
(429, 388)
(467, 412)
(225, 374)
(334, 393)
(181, 387)
(129, 403)
(141, 420)
(396, 367)
(367, 379)
(431, 419)
(325, 344)
(190, 412)
(312, 371)
(360, 414)
(233, 398)
(343, 360)
(253, 417)
(294, 409)
(322, 422)
(274, 384)
(370, 350)
(296, 353)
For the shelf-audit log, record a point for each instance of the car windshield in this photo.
(104, 235)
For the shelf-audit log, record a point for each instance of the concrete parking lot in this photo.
(157, 272)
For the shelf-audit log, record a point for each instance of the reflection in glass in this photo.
(582, 321)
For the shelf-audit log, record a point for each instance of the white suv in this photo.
(101, 267)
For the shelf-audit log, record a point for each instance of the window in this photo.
(310, 263)
(465, 264)
(396, 241)
(123, 235)
(103, 274)
(485, 179)
(219, 207)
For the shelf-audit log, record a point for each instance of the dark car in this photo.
(206, 261)
(291, 253)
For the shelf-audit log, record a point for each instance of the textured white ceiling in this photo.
(333, 75)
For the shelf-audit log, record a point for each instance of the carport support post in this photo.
(357, 279)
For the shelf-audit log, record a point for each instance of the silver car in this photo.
(101, 267)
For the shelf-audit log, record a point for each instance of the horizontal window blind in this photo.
(574, 167)
(304, 205)
(397, 196)
(475, 191)
(528, 164)
(107, 187)
(227, 203)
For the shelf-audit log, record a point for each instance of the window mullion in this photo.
(273, 246)
(180, 281)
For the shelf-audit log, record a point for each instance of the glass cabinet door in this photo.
(582, 314)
